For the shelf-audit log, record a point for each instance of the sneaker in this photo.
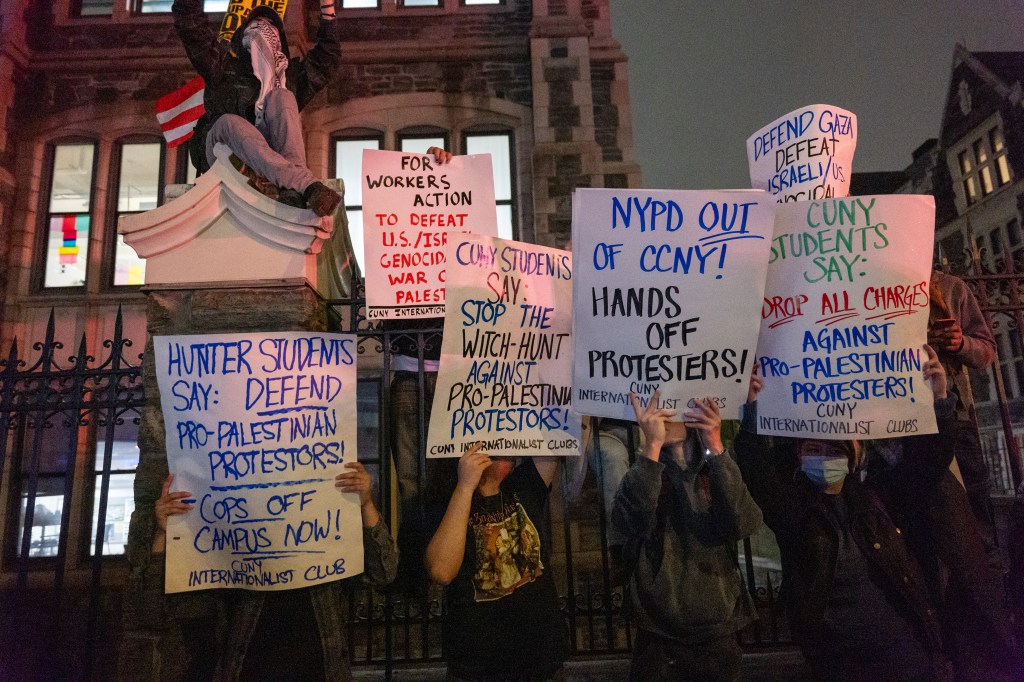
(321, 199)
(291, 197)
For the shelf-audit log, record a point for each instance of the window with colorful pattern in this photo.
(68, 214)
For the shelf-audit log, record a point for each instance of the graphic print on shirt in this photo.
(507, 552)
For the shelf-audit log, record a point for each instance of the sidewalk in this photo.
(770, 666)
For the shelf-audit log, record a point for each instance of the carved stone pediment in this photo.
(224, 230)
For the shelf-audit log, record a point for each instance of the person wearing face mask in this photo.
(492, 550)
(857, 601)
(254, 93)
(682, 507)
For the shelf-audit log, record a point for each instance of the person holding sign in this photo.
(957, 329)
(289, 634)
(857, 600)
(683, 507)
(254, 93)
(492, 550)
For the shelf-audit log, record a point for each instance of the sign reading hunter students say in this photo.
(505, 375)
(666, 296)
(258, 425)
(845, 317)
(806, 154)
(410, 205)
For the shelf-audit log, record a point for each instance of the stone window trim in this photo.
(395, 8)
(973, 163)
(40, 249)
(68, 13)
(111, 213)
(499, 130)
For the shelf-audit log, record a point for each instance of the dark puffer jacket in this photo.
(231, 85)
(809, 534)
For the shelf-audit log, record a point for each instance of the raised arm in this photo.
(320, 63)
(446, 549)
(197, 36)
(380, 555)
(755, 459)
(733, 510)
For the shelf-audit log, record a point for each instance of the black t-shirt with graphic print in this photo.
(503, 619)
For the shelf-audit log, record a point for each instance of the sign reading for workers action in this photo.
(258, 426)
(506, 369)
(845, 318)
(666, 296)
(238, 10)
(410, 205)
(807, 154)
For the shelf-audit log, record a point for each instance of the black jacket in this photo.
(809, 535)
(231, 85)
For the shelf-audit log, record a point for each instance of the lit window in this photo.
(156, 6)
(348, 165)
(499, 146)
(96, 8)
(67, 245)
(139, 182)
(483, 2)
(419, 3)
(360, 4)
(419, 144)
(124, 459)
(998, 144)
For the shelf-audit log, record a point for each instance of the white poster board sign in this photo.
(845, 319)
(668, 285)
(410, 205)
(506, 367)
(807, 154)
(258, 426)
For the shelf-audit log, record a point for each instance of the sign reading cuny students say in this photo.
(845, 317)
(666, 296)
(807, 154)
(258, 426)
(410, 205)
(505, 375)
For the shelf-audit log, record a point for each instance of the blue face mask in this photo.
(824, 471)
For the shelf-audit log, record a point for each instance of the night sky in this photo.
(705, 75)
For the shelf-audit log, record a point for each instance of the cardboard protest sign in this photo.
(666, 296)
(239, 9)
(410, 205)
(845, 317)
(258, 426)
(807, 154)
(505, 359)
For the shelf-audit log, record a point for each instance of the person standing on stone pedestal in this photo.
(254, 93)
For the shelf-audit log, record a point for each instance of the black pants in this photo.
(657, 659)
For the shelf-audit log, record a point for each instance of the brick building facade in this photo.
(540, 84)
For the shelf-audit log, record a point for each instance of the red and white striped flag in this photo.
(179, 111)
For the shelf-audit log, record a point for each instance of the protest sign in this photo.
(258, 426)
(845, 318)
(410, 204)
(666, 296)
(505, 360)
(807, 154)
(238, 10)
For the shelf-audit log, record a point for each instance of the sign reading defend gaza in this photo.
(258, 426)
(410, 205)
(807, 154)
(506, 369)
(667, 291)
(845, 317)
